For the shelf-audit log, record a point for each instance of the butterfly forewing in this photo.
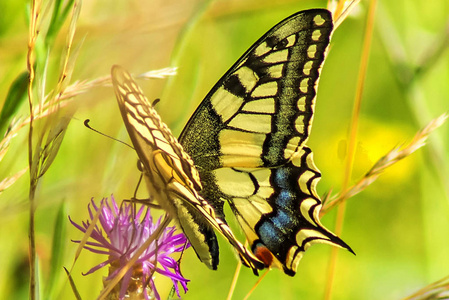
(170, 175)
(260, 112)
(147, 131)
(247, 139)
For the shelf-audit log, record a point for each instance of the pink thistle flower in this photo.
(120, 234)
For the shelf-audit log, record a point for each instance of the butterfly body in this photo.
(245, 145)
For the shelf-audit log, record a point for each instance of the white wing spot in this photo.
(316, 35)
(302, 104)
(299, 124)
(121, 90)
(167, 148)
(262, 176)
(304, 85)
(307, 67)
(311, 51)
(313, 187)
(318, 20)
(135, 87)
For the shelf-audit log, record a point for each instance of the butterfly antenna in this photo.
(86, 123)
(155, 101)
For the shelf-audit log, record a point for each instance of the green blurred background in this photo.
(398, 227)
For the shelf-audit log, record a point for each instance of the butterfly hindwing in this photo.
(247, 139)
(280, 215)
(170, 175)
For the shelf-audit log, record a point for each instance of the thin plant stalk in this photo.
(33, 33)
(43, 144)
(256, 285)
(352, 144)
(234, 280)
(341, 13)
(340, 7)
(410, 79)
(436, 290)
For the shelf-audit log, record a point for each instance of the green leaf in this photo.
(72, 284)
(57, 253)
(60, 13)
(15, 97)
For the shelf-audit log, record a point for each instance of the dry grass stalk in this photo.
(352, 135)
(436, 290)
(33, 34)
(341, 10)
(83, 86)
(8, 181)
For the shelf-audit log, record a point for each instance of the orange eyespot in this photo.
(263, 254)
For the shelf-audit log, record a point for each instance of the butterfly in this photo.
(245, 145)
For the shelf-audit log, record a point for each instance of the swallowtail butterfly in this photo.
(245, 145)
